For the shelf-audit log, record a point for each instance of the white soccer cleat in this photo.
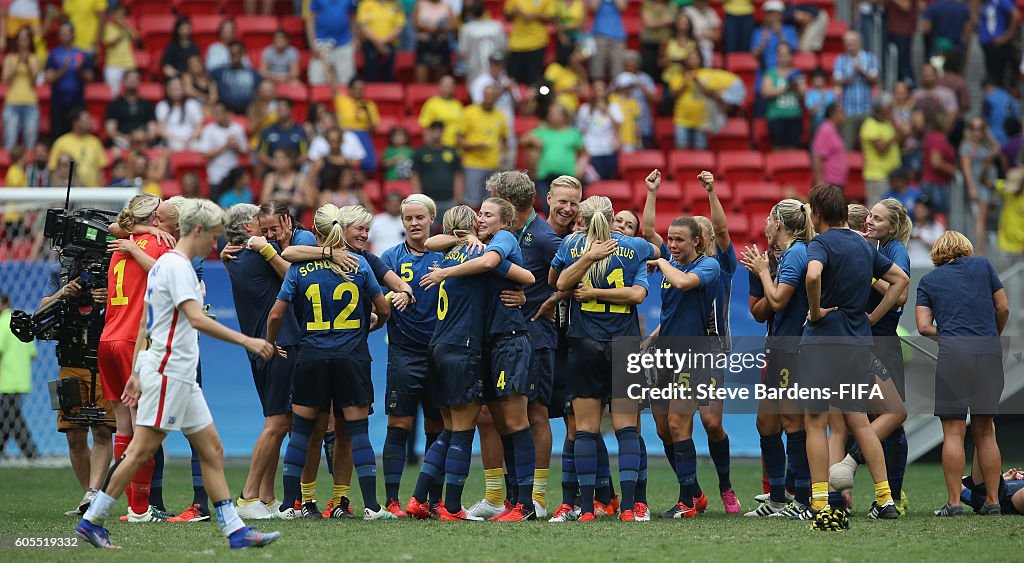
(252, 509)
(150, 515)
(765, 497)
(767, 509)
(289, 514)
(483, 509)
(539, 510)
(272, 508)
(382, 514)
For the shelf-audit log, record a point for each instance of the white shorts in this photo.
(170, 404)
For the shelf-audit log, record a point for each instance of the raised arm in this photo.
(718, 218)
(649, 219)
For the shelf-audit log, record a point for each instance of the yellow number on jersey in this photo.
(616, 279)
(785, 377)
(442, 301)
(318, 322)
(501, 380)
(119, 297)
(342, 321)
(406, 272)
(684, 380)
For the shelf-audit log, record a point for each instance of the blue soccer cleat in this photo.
(96, 535)
(249, 537)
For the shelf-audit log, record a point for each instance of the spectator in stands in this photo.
(21, 107)
(939, 163)
(901, 24)
(179, 120)
(691, 103)
(739, 24)
(567, 79)
(37, 171)
(659, 22)
(880, 141)
(569, 18)
(147, 173)
(980, 160)
(952, 77)
(388, 230)
(15, 176)
(68, 69)
(437, 170)
(223, 145)
(783, 86)
(435, 22)
(85, 16)
(342, 148)
(261, 112)
(901, 189)
(998, 105)
(931, 94)
(16, 14)
(828, 152)
(480, 39)
(236, 84)
(397, 158)
(707, 28)
(380, 23)
(342, 187)
(683, 42)
(285, 134)
(909, 124)
(558, 149)
(764, 41)
(198, 84)
(261, 7)
(855, 73)
(949, 20)
(811, 23)
(528, 39)
(444, 108)
(609, 35)
(15, 380)
(645, 93)
(599, 121)
(190, 185)
(128, 112)
(280, 61)
(924, 234)
(1011, 220)
(61, 174)
(235, 188)
(818, 97)
(358, 114)
(482, 137)
(997, 26)
(1014, 141)
(218, 54)
(119, 37)
(178, 51)
(622, 97)
(508, 96)
(329, 33)
(284, 182)
(82, 146)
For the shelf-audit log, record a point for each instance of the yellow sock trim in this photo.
(882, 492)
(338, 492)
(247, 501)
(272, 501)
(540, 486)
(494, 481)
(819, 496)
(308, 491)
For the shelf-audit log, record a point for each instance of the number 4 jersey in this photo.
(126, 290)
(598, 320)
(333, 313)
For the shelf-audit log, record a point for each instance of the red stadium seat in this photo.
(195, 8)
(762, 142)
(171, 188)
(697, 202)
(616, 190)
(634, 167)
(741, 166)
(686, 165)
(5, 163)
(97, 96)
(403, 187)
(155, 31)
(744, 65)
(405, 63)
(664, 132)
(183, 162)
(633, 26)
(854, 188)
(295, 27)
(834, 36)
(298, 93)
(257, 32)
(322, 94)
(806, 62)
(790, 168)
(43, 95)
(828, 62)
(670, 197)
(390, 98)
(524, 124)
(416, 95)
(233, 7)
(754, 192)
(412, 125)
(142, 9)
(152, 91)
(204, 30)
(373, 191)
(735, 136)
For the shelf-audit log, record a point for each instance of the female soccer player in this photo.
(163, 383)
(962, 305)
(410, 381)
(790, 229)
(333, 366)
(833, 349)
(607, 273)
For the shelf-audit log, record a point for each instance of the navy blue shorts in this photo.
(782, 369)
(334, 381)
(542, 376)
(508, 367)
(460, 373)
(411, 382)
(836, 375)
(589, 367)
(887, 362)
(273, 381)
(560, 405)
(969, 383)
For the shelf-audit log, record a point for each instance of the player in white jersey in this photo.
(163, 382)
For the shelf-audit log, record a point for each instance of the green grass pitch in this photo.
(35, 500)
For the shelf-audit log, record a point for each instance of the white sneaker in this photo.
(767, 509)
(484, 509)
(540, 510)
(252, 509)
(272, 508)
(382, 514)
(289, 514)
(151, 515)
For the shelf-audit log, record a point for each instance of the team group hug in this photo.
(499, 321)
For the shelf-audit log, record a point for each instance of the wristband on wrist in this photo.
(268, 252)
(407, 292)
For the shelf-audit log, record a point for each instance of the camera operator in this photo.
(89, 464)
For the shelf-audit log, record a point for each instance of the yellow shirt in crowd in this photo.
(1011, 220)
(628, 134)
(87, 152)
(738, 7)
(529, 35)
(85, 17)
(480, 126)
(448, 112)
(121, 55)
(354, 118)
(878, 166)
(562, 79)
(380, 17)
(691, 105)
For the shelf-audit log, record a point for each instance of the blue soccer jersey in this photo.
(502, 319)
(789, 322)
(255, 287)
(723, 294)
(539, 244)
(415, 325)
(598, 320)
(690, 313)
(886, 326)
(461, 305)
(333, 314)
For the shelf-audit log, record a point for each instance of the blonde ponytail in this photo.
(138, 211)
(597, 217)
(328, 222)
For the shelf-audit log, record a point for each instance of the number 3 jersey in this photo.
(333, 313)
(126, 290)
(627, 267)
(173, 343)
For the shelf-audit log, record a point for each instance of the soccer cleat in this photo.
(502, 514)
(86, 501)
(641, 512)
(949, 511)
(831, 520)
(416, 509)
(796, 511)
(460, 516)
(287, 514)
(395, 509)
(249, 537)
(614, 505)
(540, 510)
(192, 514)
(765, 497)
(251, 509)
(700, 504)
(272, 507)
(310, 510)
(340, 511)
(732, 504)
(991, 510)
(327, 511)
(518, 514)
(564, 513)
(767, 509)
(484, 510)
(151, 515)
(886, 511)
(610, 509)
(680, 510)
(627, 516)
(95, 535)
(434, 508)
(587, 517)
(380, 514)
